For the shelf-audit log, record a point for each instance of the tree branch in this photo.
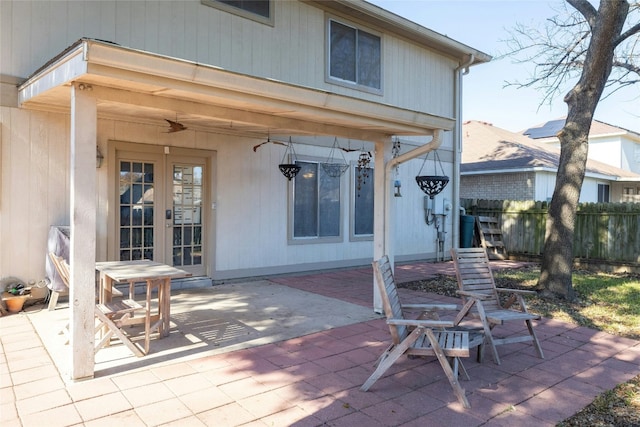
(630, 32)
(586, 9)
(627, 66)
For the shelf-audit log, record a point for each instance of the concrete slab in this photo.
(209, 321)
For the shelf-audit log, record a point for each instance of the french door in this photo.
(183, 220)
(160, 210)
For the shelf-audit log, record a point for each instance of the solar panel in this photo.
(547, 130)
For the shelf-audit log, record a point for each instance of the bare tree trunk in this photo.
(557, 258)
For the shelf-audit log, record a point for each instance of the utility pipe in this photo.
(462, 70)
(434, 144)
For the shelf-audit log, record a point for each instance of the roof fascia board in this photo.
(383, 19)
(155, 74)
(593, 175)
(63, 70)
(503, 171)
(156, 67)
(404, 122)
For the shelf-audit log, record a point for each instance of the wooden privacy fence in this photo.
(604, 231)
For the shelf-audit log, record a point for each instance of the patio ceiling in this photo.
(138, 86)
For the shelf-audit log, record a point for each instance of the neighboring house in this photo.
(93, 83)
(502, 165)
(608, 144)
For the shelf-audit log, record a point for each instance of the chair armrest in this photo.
(428, 307)
(516, 291)
(421, 323)
(475, 295)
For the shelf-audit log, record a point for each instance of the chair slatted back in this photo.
(390, 300)
(62, 267)
(474, 274)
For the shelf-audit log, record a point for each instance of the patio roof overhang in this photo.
(94, 79)
(135, 85)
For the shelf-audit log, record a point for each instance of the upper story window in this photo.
(259, 10)
(354, 57)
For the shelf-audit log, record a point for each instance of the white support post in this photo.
(383, 207)
(82, 252)
(382, 212)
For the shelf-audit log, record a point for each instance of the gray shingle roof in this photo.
(490, 148)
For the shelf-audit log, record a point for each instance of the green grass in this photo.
(607, 302)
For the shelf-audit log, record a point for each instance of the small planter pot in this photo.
(14, 303)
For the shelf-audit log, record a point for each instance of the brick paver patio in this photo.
(314, 380)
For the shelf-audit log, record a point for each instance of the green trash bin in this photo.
(466, 230)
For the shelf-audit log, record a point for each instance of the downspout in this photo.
(462, 70)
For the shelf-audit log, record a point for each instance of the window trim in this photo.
(243, 13)
(291, 214)
(346, 83)
(353, 237)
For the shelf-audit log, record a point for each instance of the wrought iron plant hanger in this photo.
(333, 166)
(289, 170)
(432, 185)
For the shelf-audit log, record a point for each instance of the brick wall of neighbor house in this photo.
(504, 186)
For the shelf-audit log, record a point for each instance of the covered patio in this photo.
(310, 377)
(94, 79)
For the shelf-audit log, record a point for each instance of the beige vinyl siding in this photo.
(250, 191)
(250, 218)
(293, 50)
(35, 188)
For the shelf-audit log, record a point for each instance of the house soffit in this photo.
(148, 88)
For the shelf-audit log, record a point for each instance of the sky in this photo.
(483, 25)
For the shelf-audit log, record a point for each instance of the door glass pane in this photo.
(136, 210)
(187, 214)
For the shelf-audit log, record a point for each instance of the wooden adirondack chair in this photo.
(476, 283)
(424, 336)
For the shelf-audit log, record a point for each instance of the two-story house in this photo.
(156, 129)
(612, 145)
(502, 165)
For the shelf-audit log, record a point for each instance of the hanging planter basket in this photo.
(289, 170)
(335, 170)
(333, 166)
(432, 185)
